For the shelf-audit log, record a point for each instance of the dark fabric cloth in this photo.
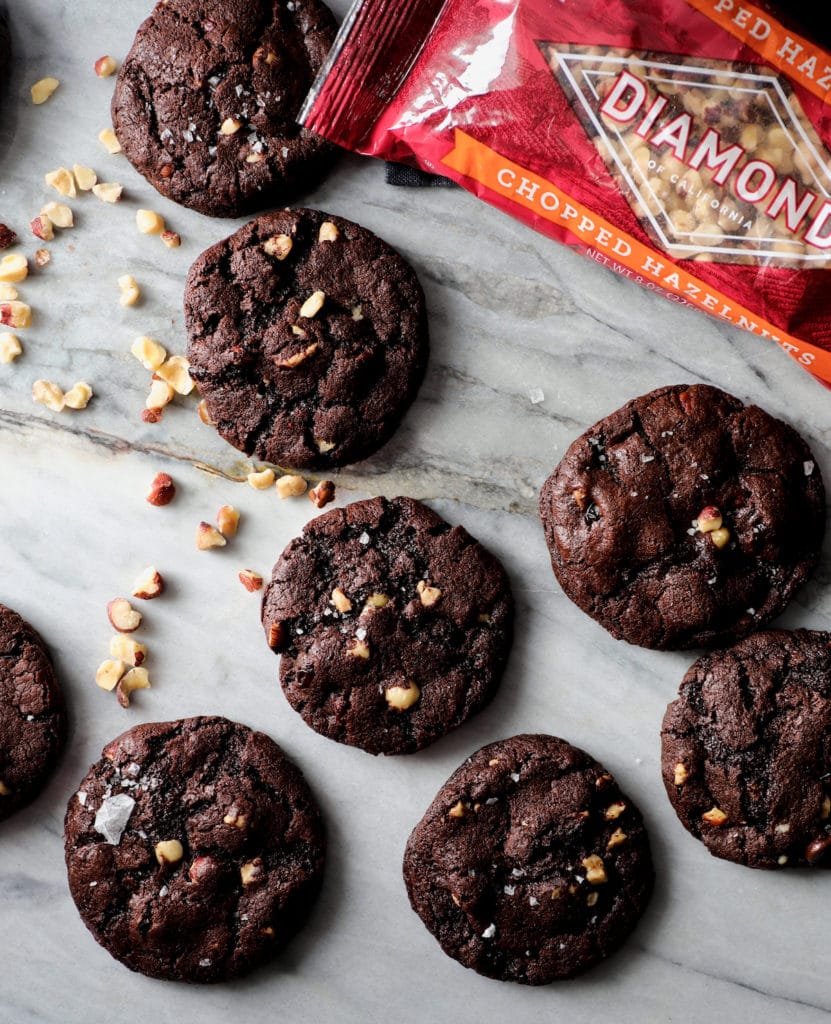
(412, 177)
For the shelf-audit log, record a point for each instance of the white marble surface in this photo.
(510, 312)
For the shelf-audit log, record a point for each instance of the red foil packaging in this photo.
(684, 143)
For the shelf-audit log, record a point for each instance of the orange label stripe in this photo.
(475, 160)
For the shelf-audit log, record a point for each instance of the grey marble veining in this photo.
(512, 316)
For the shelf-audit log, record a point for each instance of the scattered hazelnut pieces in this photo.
(78, 396)
(204, 415)
(108, 140)
(124, 648)
(322, 494)
(227, 520)
(42, 258)
(276, 636)
(261, 480)
(162, 490)
(313, 305)
(250, 580)
(149, 223)
(360, 649)
(254, 158)
(149, 353)
(42, 90)
(15, 314)
(171, 239)
(85, 177)
(427, 594)
(681, 774)
(457, 810)
(595, 870)
(108, 191)
(328, 232)
(109, 672)
(59, 213)
(134, 679)
(105, 66)
(340, 600)
(279, 246)
(169, 851)
(720, 537)
(42, 228)
(290, 362)
(715, 816)
(615, 810)
(377, 601)
(123, 616)
(709, 519)
(230, 126)
(402, 697)
(47, 393)
(130, 291)
(7, 293)
(10, 348)
(591, 899)
(174, 370)
(616, 838)
(324, 446)
(233, 817)
(13, 268)
(208, 537)
(148, 584)
(251, 871)
(161, 394)
(290, 485)
(62, 181)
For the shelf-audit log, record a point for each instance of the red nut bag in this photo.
(685, 143)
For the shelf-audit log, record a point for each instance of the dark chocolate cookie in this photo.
(530, 865)
(746, 750)
(307, 336)
(393, 625)
(206, 99)
(194, 849)
(684, 519)
(32, 715)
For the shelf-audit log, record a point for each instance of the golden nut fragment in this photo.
(123, 616)
(208, 537)
(340, 600)
(171, 239)
(595, 870)
(230, 126)
(13, 268)
(313, 305)
(78, 396)
(42, 90)
(615, 810)
(176, 371)
(105, 66)
(85, 177)
(149, 352)
(402, 697)
(709, 519)
(59, 213)
(322, 494)
(149, 584)
(149, 223)
(130, 290)
(160, 394)
(715, 816)
(250, 580)
(681, 774)
(108, 140)
(616, 838)
(376, 601)
(126, 649)
(279, 246)
(109, 672)
(457, 810)
(135, 679)
(62, 181)
(48, 393)
(227, 520)
(720, 537)
(15, 314)
(261, 479)
(10, 348)
(360, 649)
(169, 851)
(108, 191)
(276, 636)
(233, 817)
(251, 871)
(328, 232)
(428, 595)
(290, 362)
(290, 485)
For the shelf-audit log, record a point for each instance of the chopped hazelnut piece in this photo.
(15, 314)
(340, 600)
(42, 90)
(208, 536)
(261, 479)
(615, 810)
(324, 446)
(108, 191)
(126, 649)
(10, 348)
(322, 494)
(227, 520)
(290, 362)
(595, 870)
(171, 239)
(591, 899)
(428, 595)
(233, 817)
(204, 415)
(42, 257)
(457, 810)
(134, 679)
(109, 672)
(123, 616)
(360, 649)
(105, 66)
(169, 852)
(78, 396)
(130, 291)
(149, 223)
(13, 268)
(681, 774)
(175, 370)
(313, 305)
(254, 158)
(279, 246)
(149, 584)
(290, 485)
(62, 181)
(579, 496)
(85, 177)
(720, 537)
(357, 313)
(328, 232)
(251, 871)
(494, 761)
(162, 490)
(149, 352)
(402, 697)
(276, 636)
(230, 126)
(250, 580)
(59, 213)
(109, 141)
(48, 393)
(715, 816)
(616, 838)
(161, 394)
(42, 229)
(709, 519)
(7, 293)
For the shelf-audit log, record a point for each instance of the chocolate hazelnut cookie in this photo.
(32, 714)
(394, 626)
(205, 101)
(530, 865)
(746, 750)
(307, 337)
(684, 519)
(194, 849)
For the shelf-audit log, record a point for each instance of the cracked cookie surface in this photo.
(530, 865)
(746, 750)
(394, 627)
(32, 715)
(206, 100)
(307, 337)
(684, 519)
(194, 849)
